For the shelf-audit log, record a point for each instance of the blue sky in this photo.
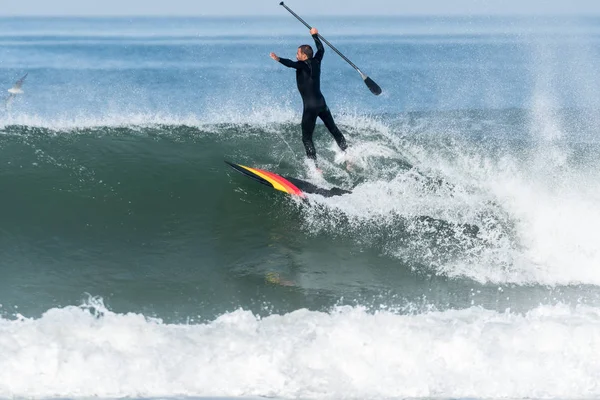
(307, 7)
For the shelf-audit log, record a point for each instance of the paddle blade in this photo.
(373, 87)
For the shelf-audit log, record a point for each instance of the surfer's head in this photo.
(304, 52)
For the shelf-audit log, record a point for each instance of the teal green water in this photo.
(154, 221)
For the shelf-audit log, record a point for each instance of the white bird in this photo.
(15, 90)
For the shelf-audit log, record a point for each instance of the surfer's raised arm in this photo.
(320, 49)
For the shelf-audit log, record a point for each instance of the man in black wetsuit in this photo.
(308, 77)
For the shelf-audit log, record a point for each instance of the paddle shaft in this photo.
(322, 38)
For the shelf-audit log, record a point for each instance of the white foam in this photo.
(259, 117)
(555, 218)
(83, 121)
(537, 215)
(548, 352)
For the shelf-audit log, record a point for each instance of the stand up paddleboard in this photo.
(292, 186)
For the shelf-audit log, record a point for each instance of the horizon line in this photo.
(411, 15)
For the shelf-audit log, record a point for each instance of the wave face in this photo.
(136, 263)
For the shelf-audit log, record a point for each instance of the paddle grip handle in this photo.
(322, 38)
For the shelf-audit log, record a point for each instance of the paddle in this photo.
(373, 87)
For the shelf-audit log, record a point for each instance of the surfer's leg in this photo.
(309, 120)
(327, 119)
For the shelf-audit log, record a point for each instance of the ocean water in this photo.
(464, 264)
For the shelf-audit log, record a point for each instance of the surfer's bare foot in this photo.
(313, 164)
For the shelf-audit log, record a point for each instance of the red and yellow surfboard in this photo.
(268, 178)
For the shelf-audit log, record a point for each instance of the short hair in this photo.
(307, 50)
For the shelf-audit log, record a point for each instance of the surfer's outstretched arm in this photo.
(286, 62)
(290, 63)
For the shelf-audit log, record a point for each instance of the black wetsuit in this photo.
(308, 77)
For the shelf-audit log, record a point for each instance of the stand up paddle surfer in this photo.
(308, 78)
